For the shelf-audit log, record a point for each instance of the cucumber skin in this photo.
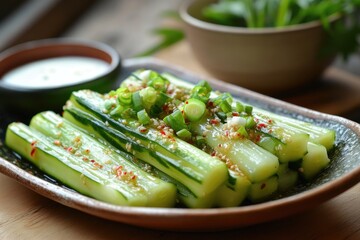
(54, 164)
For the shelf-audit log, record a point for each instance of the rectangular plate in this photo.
(343, 172)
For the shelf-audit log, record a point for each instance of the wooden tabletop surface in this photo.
(27, 215)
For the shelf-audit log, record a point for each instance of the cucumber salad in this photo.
(158, 141)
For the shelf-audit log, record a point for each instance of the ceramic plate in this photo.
(343, 172)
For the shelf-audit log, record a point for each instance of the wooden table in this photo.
(26, 215)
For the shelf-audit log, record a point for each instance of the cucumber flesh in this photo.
(256, 163)
(317, 134)
(263, 190)
(290, 143)
(314, 161)
(232, 195)
(287, 177)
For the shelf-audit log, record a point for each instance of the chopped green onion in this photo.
(176, 121)
(148, 96)
(250, 122)
(201, 91)
(221, 98)
(205, 84)
(143, 117)
(239, 107)
(223, 116)
(194, 109)
(137, 101)
(157, 82)
(242, 131)
(124, 96)
(225, 106)
(109, 104)
(157, 107)
(248, 109)
(116, 112)
(184, 134)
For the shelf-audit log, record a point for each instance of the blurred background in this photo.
(129, 26)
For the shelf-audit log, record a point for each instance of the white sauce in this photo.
(55, 72)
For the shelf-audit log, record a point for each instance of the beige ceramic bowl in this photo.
(267, 60)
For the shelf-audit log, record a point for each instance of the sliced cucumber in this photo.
(198, 171)
(71, 170)
(314, 161)
(256, 163)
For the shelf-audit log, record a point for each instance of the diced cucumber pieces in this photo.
(314, 161)
(263, 190)
(232, 195)
(287, 177)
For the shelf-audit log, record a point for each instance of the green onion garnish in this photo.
(143, 117)
(194, 109)
(184, 134)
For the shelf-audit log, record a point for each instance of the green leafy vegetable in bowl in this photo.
(280, 13)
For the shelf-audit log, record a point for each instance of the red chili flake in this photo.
(33, 143)
(261, 125)
(133, 177)
(85, 159)
(262, 186)
(69, 149)
(210, 104)
(226, 133)
(214, 121)
(162, 132)
(235, 114)
(142, 129)
(57, 142)
(92, 160)
(219, 145)
(165, 108)
(186, 102)
(270, 121)
(213, 154)
(32, 153)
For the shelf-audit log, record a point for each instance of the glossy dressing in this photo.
(55, 72)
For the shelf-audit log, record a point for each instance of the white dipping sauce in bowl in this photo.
(41, 75)
(55, 72)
